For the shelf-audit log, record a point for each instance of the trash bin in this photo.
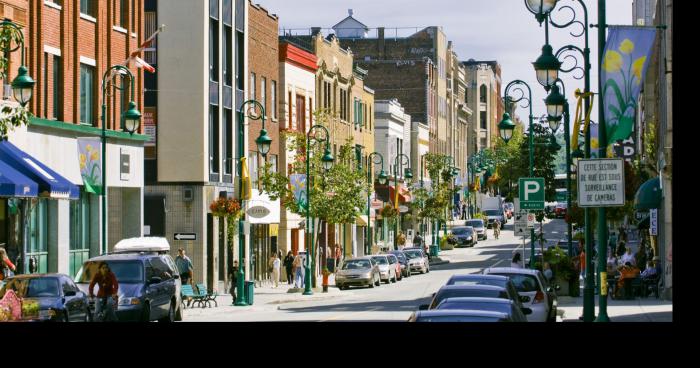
(249, 291)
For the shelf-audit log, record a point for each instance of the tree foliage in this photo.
(11, 117)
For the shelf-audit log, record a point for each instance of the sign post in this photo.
(531, 193)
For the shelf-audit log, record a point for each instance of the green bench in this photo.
(208, 296)
(188, 293)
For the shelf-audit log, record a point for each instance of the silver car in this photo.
(478, 225)
(386, 269)
(417, 260)
(359, 271)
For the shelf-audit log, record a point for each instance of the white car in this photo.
(387, 271)
(531, 285)
(417, 260)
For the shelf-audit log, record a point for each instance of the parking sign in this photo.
(531, 193)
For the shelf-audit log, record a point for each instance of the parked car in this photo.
(417, 260)
(531, 284)
(478, 225)
(511, 208)
(393, 260)
(56, 296)
(387, 271)
(494, 280)
(560, 210)
(493, 215)
(149, 281)
(516, 314)
(457, 315)
(358, 271)
(465, 235)
(455, 291)
(403, 261)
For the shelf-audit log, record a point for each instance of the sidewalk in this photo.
(637, 310)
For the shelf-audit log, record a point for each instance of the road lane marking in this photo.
(344, 314)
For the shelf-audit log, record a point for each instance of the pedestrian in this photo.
(106, 294)
(8, 269)
(233, 276)
(496, 228)
(516, 262)
(289, 267)
(276, 263)
(464, 210)
(621, 245)
(338, 255)
(547, 272)
(184, 266)
(628, 257)
(582, 259)
(298, 271)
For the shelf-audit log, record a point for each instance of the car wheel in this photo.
(65, 317)
(178, 314)
(171, 314)
(146, 313)
(88, 316)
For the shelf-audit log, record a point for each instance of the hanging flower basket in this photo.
(389, 212)
(472, 187)
(225, 207)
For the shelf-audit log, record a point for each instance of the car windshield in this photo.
(38, 287)
(462, 231)
(356, 264)
(475, 223)
(493, 213)
(127, 272)
(413, 254)
(478, 282)
(458, 319)
(400, 256)
(392, 260)
(468, 293)
(381, 260)
(523, 283)
(476, 305)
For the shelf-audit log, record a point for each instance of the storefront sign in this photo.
(90, 161)
(601, 182)
(653, 221)
(258, 212)
(149, 126)
(403, 209)
(262, 210)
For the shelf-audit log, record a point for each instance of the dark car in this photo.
(457, 291)
(493, 280)
(403, 261)
(517, 314)
(465, 235)
(479, 227)
(147, 285)
(453, 315)
(493, 215)
(56, 297)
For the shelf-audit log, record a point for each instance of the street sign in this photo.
(601, 182)
(185, 236)
(531, 193)
(521, 223)
(403, 209)
(530, 220)
(653, 221)
(516, 205)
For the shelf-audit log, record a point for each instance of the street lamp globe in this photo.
(553, 143)
(327, 159)
(264, 142)
(382, 178)
(547, 67)
(22, 86)
(555, 103)
(540, 8)
(553, 123)
(506, 128)
(132, 118)
(407, 173)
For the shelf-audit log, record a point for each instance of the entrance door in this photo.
(295, 241)
(301, 114)
(210, 252)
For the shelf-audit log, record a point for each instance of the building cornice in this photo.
(296, 56)
(85, 129)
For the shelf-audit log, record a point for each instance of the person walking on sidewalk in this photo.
(338, 256)
(233, 276)
(289, 267)
(184, 265)
(276, 263)
(496, 228)
(298, 271)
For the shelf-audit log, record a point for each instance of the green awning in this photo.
(649, 195)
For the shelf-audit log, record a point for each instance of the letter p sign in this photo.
(531, 193)
(531, 187)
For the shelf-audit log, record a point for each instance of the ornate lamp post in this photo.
(23, 84)
(399, 161)
(382, 179)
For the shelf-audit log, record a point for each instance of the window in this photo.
(57, 87)
(228, 62)
(87, 92)
(482, 118)
(326, 95)
(273, 162)
(80, 232)
(273, 99)
(228, 141)
(133, 17)
(124, 13)
(57, 2)
(240, 60)
(263, 92)
(482, 94)
(150, 28)
(344, 108)
(87, 7)
(39, 234)
(213, 139)
(253, 163)
(213, 50)
(251, 87)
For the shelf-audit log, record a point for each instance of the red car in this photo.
(560, 210)
(393, 260)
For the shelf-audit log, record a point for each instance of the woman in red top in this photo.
(109, 286)
(6, 266)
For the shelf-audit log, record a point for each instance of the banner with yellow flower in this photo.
(90, 157)
(625, 61)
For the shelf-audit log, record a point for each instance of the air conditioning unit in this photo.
(188, 194)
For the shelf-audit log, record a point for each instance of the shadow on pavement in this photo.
(637, 317)
(377, 306)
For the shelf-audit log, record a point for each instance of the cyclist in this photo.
(107, 293)
(496, 228)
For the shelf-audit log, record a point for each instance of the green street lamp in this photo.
(399, 161)
(132, 118)
(264, 142)
(555, 102)
(547, 67)
(540, 8)
(506, 128)
(554, 146)
(327, 162)
(553, 123)
(382, 180)
(23, 84)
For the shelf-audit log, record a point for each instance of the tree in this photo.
(11, 117)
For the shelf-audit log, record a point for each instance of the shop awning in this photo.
(404, 194)
(648, 195)
(14, 184)
(50, 183)
(361, 220)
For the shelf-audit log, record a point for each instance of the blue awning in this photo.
(50, 183)
(14, 184)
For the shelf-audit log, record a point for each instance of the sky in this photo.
(502, 30)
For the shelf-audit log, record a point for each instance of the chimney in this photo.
(315, 30)
(350, 12)
(380, 42)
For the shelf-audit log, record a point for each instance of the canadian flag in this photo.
(134, 56)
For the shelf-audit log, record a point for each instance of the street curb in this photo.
(438, 263)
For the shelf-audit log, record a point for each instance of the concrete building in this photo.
(458, 117)
(643, 12)
(485, 100)
(297, 80)
(198, 123)
(69, 47)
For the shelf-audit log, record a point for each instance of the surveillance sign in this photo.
(601, 182)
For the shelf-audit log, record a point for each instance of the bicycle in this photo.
(103, 316)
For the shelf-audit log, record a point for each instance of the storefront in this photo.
(263, 215)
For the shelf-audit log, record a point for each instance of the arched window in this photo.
(482, 93)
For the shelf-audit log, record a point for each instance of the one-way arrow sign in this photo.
(185, 236)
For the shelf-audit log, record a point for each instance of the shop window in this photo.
(38, 247)
(80, 232)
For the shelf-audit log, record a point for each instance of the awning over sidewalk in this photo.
(649, 195)
(404, 194)
(14, 184)
(361, 220)
(50, 183)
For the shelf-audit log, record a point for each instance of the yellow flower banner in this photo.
(625, 60)
(90, 161)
